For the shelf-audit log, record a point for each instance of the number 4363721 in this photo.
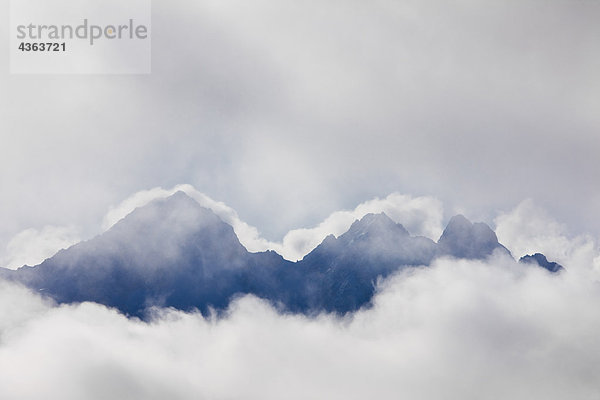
(25, 46)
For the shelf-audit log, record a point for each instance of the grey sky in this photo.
(288, 111)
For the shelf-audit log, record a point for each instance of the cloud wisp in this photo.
(32, 246)
(525, 229)
(420, 215)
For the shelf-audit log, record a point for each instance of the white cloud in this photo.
(32, 246)
(248, 235)
(18, 305)
(529, 229)
(460, 330)
(420, 215)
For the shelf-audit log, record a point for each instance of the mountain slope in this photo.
(541, 260)
(343, 271)
(175, 253)
(172, 252)
(463, 239)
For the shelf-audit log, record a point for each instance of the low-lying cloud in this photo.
(459, 329)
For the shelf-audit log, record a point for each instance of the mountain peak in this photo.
(377, 224)
(464, 239)
(542, 261)
(175, 231)
(177, 201)
(181, 197)
(178, 212)
(458, 222)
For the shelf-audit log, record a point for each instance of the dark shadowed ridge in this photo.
(175, 253)
(344, 270)
(542, 261)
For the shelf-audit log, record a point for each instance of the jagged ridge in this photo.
(175, 253)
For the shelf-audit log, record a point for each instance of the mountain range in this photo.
(173, 252)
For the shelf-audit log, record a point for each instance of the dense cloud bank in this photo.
(460, 329)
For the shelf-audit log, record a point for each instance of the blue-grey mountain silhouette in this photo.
(463, 239)
(542, 261)
(343, 270)
(175, 253)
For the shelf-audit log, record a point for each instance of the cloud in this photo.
(529, 229)
(32, 246)
(460, 329)
(292, 110)
(420, 215)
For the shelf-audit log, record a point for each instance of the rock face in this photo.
(542, 261)
(175, 253)
(342, 271)
(463, 239)
(172, 252)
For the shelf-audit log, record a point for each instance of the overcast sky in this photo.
(288, 111)
(280, 115)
